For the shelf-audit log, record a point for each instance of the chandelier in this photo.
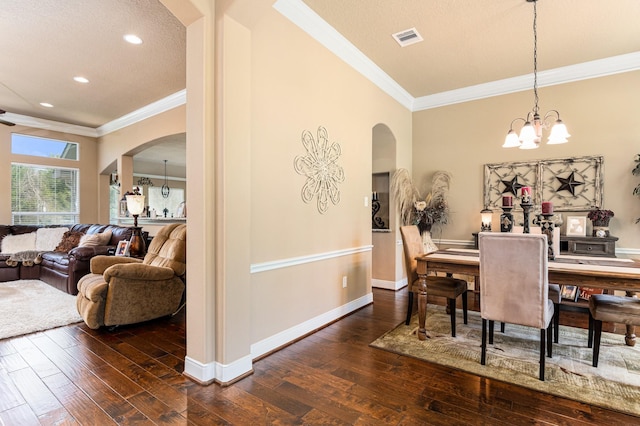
(165, 187)
(531, 131)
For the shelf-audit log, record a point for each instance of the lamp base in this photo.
(137, 246)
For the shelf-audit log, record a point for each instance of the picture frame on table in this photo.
(569, 292)
(585, 293)
(577, 226)
(123, 248)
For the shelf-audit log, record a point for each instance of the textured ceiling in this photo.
(45, 43)
(469, 42)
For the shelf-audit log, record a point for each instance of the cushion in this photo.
(48, 238)
(93, 240)
(70, 239)
(21, 242)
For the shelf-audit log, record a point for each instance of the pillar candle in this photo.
(507, 201)
(525, 190)
(547, 207)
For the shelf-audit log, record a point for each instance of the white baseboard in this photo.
(226, 373)
(216, 372)
(389, 285)
(287, 336)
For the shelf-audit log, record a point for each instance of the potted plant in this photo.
(600, 220)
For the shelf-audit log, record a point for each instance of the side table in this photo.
(589, 246)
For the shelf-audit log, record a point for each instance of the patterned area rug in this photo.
(513, 358)
(27, 306)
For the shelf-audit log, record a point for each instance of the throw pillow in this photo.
(70, 240)
(48, 238)
(20, 242)
(93, 240)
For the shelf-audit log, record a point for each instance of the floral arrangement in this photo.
(427, 212)
(597, 215)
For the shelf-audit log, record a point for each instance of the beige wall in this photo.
(298, 85)
(86, 165)
(601, 115)
(126, 140)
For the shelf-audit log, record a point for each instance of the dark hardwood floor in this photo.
(74, 375)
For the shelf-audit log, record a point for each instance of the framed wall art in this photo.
(572, 184)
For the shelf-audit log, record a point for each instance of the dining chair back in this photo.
(514, 286)
(447, 287)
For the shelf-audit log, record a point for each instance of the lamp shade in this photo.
(559, 133)
(135, 204)
(487, 216)
(511, 141)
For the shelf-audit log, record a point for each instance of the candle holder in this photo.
(547, 224)
(506, 219)
(526, 209)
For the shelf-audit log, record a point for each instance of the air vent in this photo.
(407, 37)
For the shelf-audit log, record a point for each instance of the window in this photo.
(155, 200)
(42, 195)
(114, 202)
(40, 147)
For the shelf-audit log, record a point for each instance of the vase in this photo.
(427, 243)
(600, 228)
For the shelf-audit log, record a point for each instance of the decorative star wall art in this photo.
(572, 184)
(320, 166)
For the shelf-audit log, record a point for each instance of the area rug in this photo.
(513, 358)
(27, 306)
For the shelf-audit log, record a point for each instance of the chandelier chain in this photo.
(535, 57)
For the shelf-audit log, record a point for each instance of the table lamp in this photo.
(135, 205)
(486, 220)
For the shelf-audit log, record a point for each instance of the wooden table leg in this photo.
(422, 316)
(630, 336)
(421, 292)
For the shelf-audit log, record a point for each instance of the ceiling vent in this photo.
(407, 37)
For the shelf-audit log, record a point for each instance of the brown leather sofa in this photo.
(61, 270)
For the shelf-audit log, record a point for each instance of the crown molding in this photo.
(311, 23)
(172, 101)
(562, 75)
(57, 126)
(158, 107)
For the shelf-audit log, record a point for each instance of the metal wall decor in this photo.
(572, 184)
(320, 166)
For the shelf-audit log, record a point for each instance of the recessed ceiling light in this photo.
(46, 104)
(133, 39)
(80, 79)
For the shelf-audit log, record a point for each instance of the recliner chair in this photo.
(124, 290)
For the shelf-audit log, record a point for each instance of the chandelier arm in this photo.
(550, 113)
(516, 119)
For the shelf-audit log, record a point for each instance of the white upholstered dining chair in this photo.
(514, 286)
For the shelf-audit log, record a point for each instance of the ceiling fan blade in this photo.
(7, 123)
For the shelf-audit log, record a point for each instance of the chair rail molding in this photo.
(294, 261)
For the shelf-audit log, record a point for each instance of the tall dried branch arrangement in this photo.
(432, 210)
(405, 193)
(440, 185)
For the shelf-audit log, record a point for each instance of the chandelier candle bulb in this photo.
(507, 201)
(547, 207)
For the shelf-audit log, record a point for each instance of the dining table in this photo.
(583, 271)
